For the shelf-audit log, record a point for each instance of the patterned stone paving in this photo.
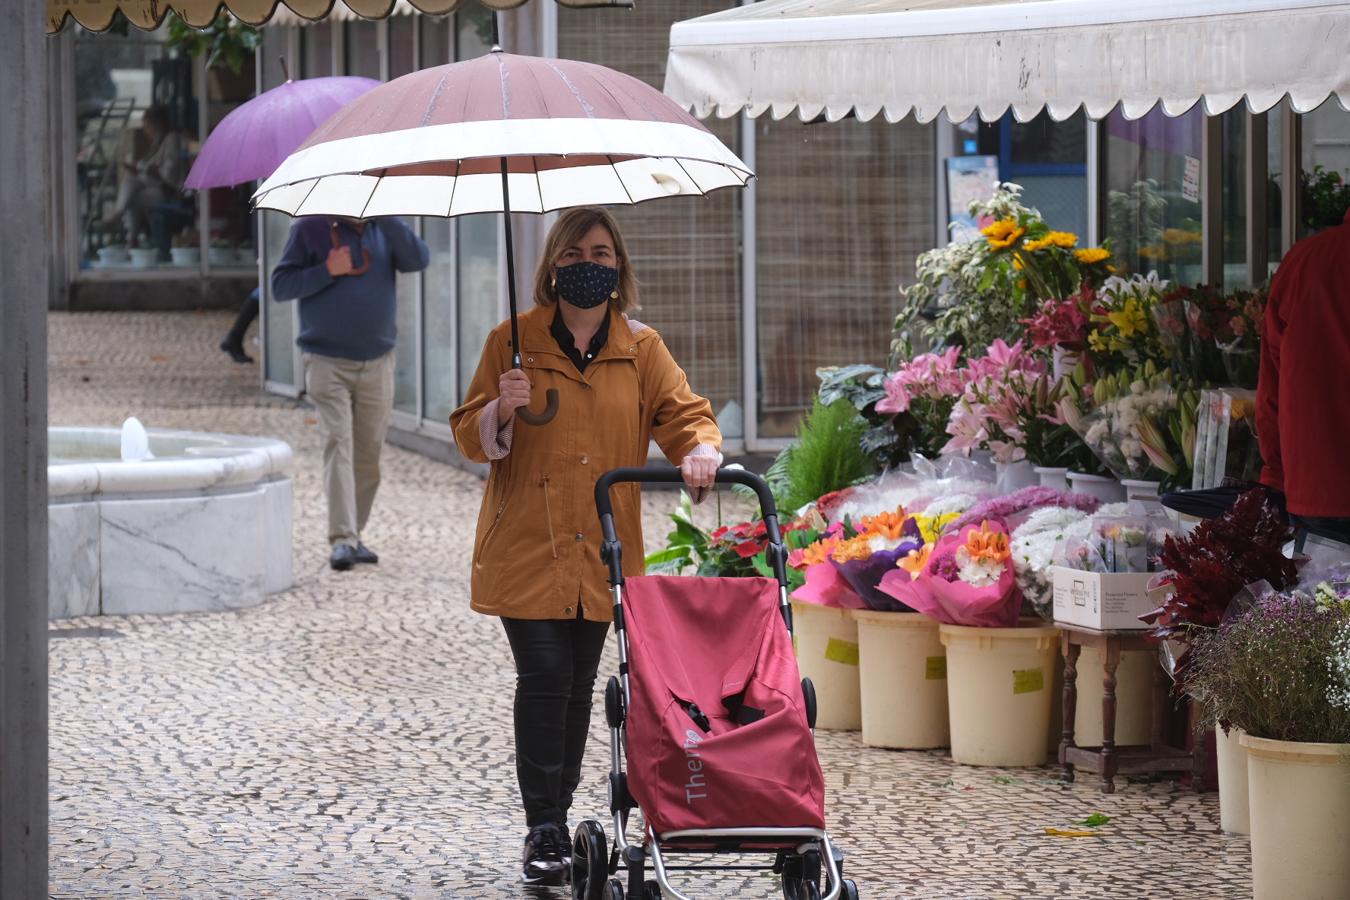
(350, 738)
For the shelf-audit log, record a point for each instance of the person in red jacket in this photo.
(1302, 401)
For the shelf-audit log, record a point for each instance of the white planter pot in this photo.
(826, 640)
(1300, 816)
(144, 257)
(1140, 490)
(112, 255)
(1232, 764)
(1053, 477)
(1105, 489)
(221, 256)
(185, 256)
(904, 680)
(1134, 698)
(246, 256)
(999, 691)
(1015, 476)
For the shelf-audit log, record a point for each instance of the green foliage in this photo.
(826, 456)
(1326, 197)
(226, 41)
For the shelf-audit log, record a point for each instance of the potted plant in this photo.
(1206, 570)
(228, 45)
(1280, 672)
(186, 248)
(143, 255)
(221, 252)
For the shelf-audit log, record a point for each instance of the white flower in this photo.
(977, 572)
(1338, 690)
(952, 503)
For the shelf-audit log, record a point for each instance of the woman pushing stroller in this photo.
(536, 557)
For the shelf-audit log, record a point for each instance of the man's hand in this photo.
(340, 261)
(514, 392)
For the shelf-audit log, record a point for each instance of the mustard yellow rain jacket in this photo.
(536, 552)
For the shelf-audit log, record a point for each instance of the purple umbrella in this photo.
(255, 138)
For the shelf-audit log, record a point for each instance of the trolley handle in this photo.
(610, 550)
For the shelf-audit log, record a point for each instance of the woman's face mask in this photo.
(586, 285)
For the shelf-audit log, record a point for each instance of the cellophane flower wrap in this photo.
(967, 578)
(843, 568)
(1138, 423)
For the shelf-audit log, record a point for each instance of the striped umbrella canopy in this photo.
(436, 143)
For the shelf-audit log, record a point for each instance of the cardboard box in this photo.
(1111, 602)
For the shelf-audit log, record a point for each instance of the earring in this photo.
(554, 283)
(614, 295)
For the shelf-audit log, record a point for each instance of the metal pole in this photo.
(24, 291)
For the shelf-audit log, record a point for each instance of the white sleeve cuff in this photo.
(496, 440)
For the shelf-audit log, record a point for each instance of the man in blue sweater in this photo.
(342, 271)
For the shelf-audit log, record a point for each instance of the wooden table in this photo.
(1109, 759)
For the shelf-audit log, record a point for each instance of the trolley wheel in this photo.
(809, 697)
(613, 702)
(613, 890)
(590, 864)
(651, 891)
(849, 890)
(801, 873)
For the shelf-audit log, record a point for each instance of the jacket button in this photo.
(568, 610)
(580, 536)
(584, 460)
(530, 359)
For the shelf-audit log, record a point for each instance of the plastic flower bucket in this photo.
(904, 681)
(1134, 702)
(826, 640)
(1053, 477)
(1300, 814)
(1105, 489)
(999, 692)
(1232, 763)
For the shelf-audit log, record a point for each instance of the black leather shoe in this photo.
(366, 555)
(236, 352)
(343, 557)
(542, 860)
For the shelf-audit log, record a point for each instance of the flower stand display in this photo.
(1300, 816)
(904, 681)
(826, 640)
(1134, 687)
(1012, 477)
(1232, 762)
(1138, 489)
(999, 691)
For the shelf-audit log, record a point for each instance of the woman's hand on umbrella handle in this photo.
(699, 470)
(513, 388)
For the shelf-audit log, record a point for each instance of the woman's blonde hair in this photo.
(568, 231)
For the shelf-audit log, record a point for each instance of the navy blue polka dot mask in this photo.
(586, 285)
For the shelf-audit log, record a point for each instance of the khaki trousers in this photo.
(353, 399)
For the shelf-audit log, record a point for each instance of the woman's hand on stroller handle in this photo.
(699, 471)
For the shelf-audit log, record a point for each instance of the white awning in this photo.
(899, 57)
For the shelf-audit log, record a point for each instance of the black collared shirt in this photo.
(568, 343)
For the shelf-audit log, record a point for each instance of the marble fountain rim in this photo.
(233, 461)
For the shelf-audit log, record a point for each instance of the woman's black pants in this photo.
(556, 662)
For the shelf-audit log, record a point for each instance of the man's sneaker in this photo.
(542, 859)
(366, 555)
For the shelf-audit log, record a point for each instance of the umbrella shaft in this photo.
(510, 266)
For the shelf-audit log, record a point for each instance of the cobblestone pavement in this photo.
(350, 738)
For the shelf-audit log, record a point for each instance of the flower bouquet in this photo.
(1040, 542)
(967, 578)
(1137, 423)
(1011, 510)
(1123, 331)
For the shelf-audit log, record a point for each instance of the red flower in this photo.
(747, 549)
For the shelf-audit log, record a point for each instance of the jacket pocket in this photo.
(503, 497)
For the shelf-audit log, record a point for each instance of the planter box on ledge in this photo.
(1102, 602)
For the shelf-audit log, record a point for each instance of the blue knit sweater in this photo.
(351, 316)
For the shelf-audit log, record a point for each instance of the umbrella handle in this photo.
(541, 418)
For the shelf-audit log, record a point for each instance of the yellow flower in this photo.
(1181, 236)
(1152, 252)
(914, 562)
(1130, 320)
(856, 548)
(1033, 246)
(1090, 255)
(1064, 240)
(930, 527)
(1096, 342)
(1017, 260)
(1003, 233)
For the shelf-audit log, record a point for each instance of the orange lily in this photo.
(916, 560)
(987, 544)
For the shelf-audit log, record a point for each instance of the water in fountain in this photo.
(135, 442)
